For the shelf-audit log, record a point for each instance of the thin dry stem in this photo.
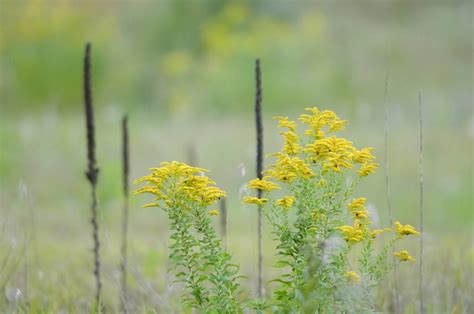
(422, 309)
(125, 164)
(223, 210)
(259, 126)
(388, 188)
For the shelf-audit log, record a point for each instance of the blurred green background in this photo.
(184, 73)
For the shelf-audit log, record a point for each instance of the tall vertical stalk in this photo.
(125, 168)
(422, 309)
(259, 126)
(92, 169)
(387, 184)
(223, 210)
(191, 155)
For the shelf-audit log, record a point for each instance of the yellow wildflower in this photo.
(336, 162)
(352, 276)
(210, 195)
(403, 256)
(320, 119)
(333, 152)
(179, 178)
(255, 200)
(291, 146)
(355, 233)
(363, 156)
(150, 205)
(213, 212)
(367, 169)
(283, 176)
(289, 168)
(357, 204)
(286, 201)
(322, 148)
(351, 234)
(360, 214)
(148, 189)
(357, 208)
(376, 232)
(262, 184)
(358, 224)
(283, 122)
(404, 230)
(337, 125)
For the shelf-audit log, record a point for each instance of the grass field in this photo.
(47, 206)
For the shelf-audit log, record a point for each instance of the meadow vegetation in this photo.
(183, 71)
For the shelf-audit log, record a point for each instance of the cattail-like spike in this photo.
(92, 170)
(422, 308)
(259, 126)
(125, 164)
(125, 156)
(387, 185)
(223, 210)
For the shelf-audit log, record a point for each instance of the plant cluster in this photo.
(328, 265)
(197, 256)
(325, 240)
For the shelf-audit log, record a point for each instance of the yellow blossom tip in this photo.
(352, 276)
(403, 256)
(213, 212)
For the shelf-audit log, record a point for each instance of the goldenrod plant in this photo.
(197, 256)
(326, 244)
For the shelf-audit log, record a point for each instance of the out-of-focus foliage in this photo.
(41, 47)
(177, 56)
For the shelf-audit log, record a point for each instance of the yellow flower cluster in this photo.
(284, 122)
(333, 153)
(404, 230)
(286, 201)
(366, 169)
(357, 208)
(354, 233)
(374, 233)
(262, 184)
(403, 256)
(255, 200)
(320, 119)
(360, 230)
(290, 146)
(176, 178)
(287, 168)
